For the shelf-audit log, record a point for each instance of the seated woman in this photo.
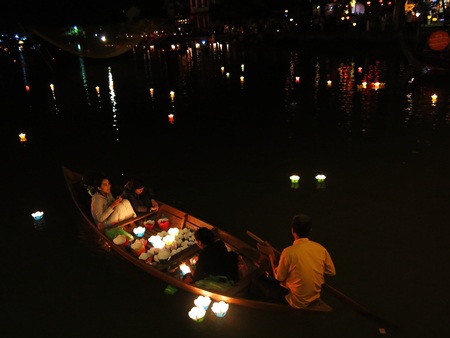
(107, 210)
(214, 259)
(140, 197)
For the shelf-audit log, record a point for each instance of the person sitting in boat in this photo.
(107, 210)
(214, 258)
(300, 270)
(140, 197)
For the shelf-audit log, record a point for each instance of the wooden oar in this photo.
(338, 294)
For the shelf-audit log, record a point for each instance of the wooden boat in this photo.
(169, 271)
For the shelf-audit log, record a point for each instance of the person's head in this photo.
(204, 237)
(301, 225)
(102, 184)
(136, 185)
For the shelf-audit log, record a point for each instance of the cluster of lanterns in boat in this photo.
(166, 244)
(198, 312)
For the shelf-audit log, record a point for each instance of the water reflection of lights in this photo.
(112, 97)
(84, 78)
(52, 88)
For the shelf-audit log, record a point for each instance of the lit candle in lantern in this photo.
(203, 302)
(23, 137)
(197, 314)
(220, 309)
(184, 269)
(171, 118)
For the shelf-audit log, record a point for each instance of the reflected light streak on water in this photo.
(112, 96)
(52, 88)
(83, 77)
(346, 92)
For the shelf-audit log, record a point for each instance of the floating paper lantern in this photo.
(294, 178)
(220, 309)
(202, 302)
(197, 314)
(184, 269)
(320, 178)
(434, 98)
(38, 215)
(23, 137)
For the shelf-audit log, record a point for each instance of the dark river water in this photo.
(357, 114)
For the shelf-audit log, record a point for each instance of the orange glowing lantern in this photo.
(171, 118)
(23, 137)
(27, 88)
(151, 92)
(97, 89)
(434, 98)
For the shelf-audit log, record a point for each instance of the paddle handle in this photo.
(260, 240)
(256, 238)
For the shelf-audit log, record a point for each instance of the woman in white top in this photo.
(107, 210)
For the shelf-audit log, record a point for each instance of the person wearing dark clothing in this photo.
(214, 259)
(140, 197)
